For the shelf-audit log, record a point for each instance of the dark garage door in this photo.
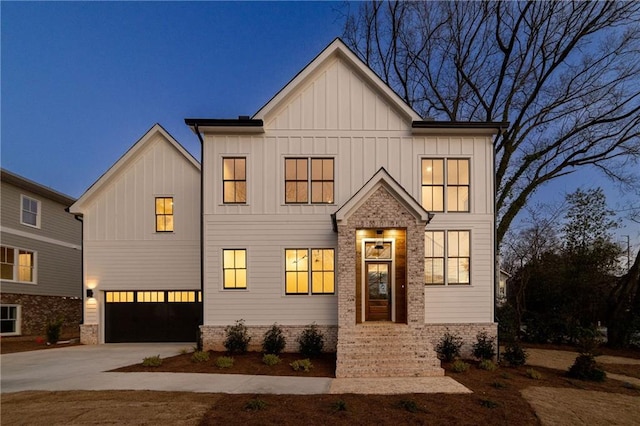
(152, 316)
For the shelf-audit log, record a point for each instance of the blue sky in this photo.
(81, 82)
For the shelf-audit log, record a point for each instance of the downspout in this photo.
(78, 217)
(496, 251)
(199, 334)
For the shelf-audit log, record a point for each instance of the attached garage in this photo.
(152, 316)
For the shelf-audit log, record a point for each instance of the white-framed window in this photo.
(447, 258)
(17, 264)
(30, 210)
(309, 180)
(10, 319)
(164, 214)
(234, 269)
(445, 184)
(310, 271)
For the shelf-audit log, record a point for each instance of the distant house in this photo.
(334, 204)
(41, 259)
(501, 290)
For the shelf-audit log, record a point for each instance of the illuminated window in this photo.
(10, 320)
(456, 196)
(309, 175)
(119, 296)
(164, 214)
(234, 267)
(183, 296)
(21, 270)
(452, 249)
(322, 271)
(234, 180)
(30, 212)
(297, 271)
(150, 296)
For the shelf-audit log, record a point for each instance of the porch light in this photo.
(89, 293)
(380, 242)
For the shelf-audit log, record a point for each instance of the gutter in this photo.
(78, 217)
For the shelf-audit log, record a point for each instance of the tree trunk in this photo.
(624, 307)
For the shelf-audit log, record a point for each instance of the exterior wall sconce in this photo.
(380, 242)
(89, 292)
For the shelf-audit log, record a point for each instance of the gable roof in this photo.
(128, 156)
(338, 48)
(35, 187)
(384, 179)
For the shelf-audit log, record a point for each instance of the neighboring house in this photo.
(501, 290)
(141, 244)
(41, 259)
(335, 204)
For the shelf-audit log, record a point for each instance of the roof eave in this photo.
(225, 125)
(459, 127)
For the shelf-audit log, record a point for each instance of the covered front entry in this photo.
(152, 316)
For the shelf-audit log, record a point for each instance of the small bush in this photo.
(255, 405)
(484, 348)
(237, 338)
(487, 403)
(505, 376)
(273, 341)
(533, 374)
(448, 348)
(270, 359)
(53, 331)
(409, 405)
(586, 368)
(302, 365)
(459, 366)
(515, 355)
(152, 361)
(311, 341)
(498, 385)
(339, 405)
(487, 364)
(224, 362)
(200, 356)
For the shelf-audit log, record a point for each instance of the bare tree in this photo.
(564, 74)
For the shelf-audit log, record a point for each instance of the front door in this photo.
(378, 291)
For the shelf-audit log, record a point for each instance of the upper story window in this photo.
(30, 211)
(234, 180)
(234, 268)
(17, 264)
(309, 180)
(164, 214)
(452, 174)
(447, 257)
(300, 270)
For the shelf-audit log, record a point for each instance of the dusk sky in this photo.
(81, 82)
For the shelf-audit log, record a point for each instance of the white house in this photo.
(334, 204)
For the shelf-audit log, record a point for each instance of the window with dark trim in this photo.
(321, 266)
(164, 214)
(447, 257)
(234, 268)
(452, 174)
(304, 176)
(234, 180)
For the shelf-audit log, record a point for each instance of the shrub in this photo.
(237, 340)
(533, 374)
(487, 364)
(449, 346)
(53, 331)
(459, 366)
(507, 319)
(255, 405)
(515, 355)
(271, 359)
(409, 405)
(302, 365)
(311, 341)
(487, 403)
(484, 348)
(339, 405)
(274, 341)
(200, 356)
(224, 362)
(498, 385)
(152, 361)
(586, 368)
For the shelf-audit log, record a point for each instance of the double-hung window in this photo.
(234, 268)
(164, 214)
(234, 180)
(310, 270)
(445, 184)
(30, 211)
(309, 180)
(447, 257)
(17, 264)
(10, 320)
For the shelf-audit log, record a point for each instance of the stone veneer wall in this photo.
(89, 334)
(467, 332)
(383, 349)
(213, 337)
(38, 311)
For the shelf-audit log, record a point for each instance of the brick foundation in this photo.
(38, 311)
(467, 332)
(89, 334)
(213, 337)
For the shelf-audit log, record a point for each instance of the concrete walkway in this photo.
(84, 368)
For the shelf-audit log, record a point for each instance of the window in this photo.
(450, 248)
(150, 296)
(456, 196)
(30, 211)
(309, 175)
(234, 268)
(234, 181)
(164, 214)
(9, 320)
(297, 271)
(17, 264)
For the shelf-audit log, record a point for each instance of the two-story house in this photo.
(334, 204)
(40, 259)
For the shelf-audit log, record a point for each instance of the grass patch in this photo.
(152, 361)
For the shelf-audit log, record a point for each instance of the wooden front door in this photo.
(378, 291)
